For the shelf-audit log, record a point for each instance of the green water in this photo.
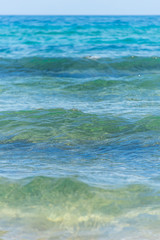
(79, 128)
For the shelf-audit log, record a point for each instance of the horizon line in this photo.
(103, 15)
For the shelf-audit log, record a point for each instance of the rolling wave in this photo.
(88, 66)
(68, 125)
(68, 202)
(57, 125)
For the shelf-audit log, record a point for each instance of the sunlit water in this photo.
(79, 128)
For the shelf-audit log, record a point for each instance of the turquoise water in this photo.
(79, 127)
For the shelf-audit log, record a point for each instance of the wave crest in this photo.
(88, 66)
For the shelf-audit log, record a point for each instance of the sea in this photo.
(79, 127)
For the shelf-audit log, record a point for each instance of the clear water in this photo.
(79, 127)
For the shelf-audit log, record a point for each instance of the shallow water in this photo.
(79, 128)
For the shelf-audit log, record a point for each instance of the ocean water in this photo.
(79, 128)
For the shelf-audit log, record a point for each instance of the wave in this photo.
(78, 67)
(60, 125)
(98, 84)
(102, 85)
(67, 202)
(95, 85)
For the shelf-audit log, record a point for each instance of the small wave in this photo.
(62, 125)
(68, 202)
(97, 84)
(87, 66)
(58, 125)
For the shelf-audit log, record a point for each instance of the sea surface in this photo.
(79, 127)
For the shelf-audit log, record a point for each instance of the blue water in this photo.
(79, 127)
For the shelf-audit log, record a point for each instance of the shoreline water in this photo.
(79, 127)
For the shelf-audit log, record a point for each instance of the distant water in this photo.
(79, 128)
